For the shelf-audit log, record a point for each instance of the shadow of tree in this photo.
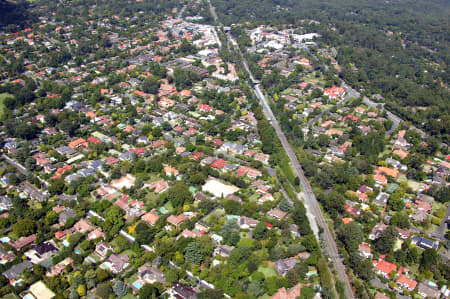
(15, 15)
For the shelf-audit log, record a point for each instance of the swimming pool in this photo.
(5, 239)
(28, 296)
(137, 284)
(77, 251)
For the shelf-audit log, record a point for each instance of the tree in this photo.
(396, 204)
(179, 195)
(229, 227)
(119, 288)
(81, 290)
(430, 260)
(260, 231)
(24, 227)
(113, 220)
(401, 220)
(103, 291)
(300, 218)
(151, 85)
(56, 187)
(90, 277)
(144, 233)
(197, 178)
(284, 205)
(210, 294)
(292, 277)
(102, 274)
(256, 288)
(239, 255)
(194, 253)
(232, 207)
(307, 292)
(351, 235)
(51, 218)
(386, 241)
(171, 275)
(149, 291)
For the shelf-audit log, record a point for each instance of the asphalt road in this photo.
(440, 231)
(314, 212)
(21, 169)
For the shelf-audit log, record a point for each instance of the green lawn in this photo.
(129, 296)
(151, 196)
(169, 206)
(268, 271)
(254, 197)
(10, 296)
(130, 253)
(131, 279)
(218, 212)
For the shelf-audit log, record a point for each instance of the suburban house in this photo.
(223, 250)
(365, 250)
(116, 262)
(284, 265)
(150, 217)
(14, 273)
(384, 268)
(182, 291)
(247, 222)
(59, 267)
(177, 220)
(102, 248)
(42, 252)
(428, 289)
(293, 293)
(23, 242)
(150, 274)
(406, 283)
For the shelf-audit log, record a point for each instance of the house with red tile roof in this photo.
(347, 220)
(158, 186)
(407, 283)
(384, 268)
(293, 293)
(177, 220)
(94, 140)
(60, 171)
(351, 117)
(326, 123)
(150, 217)
(392, 172)
(365, 250)
(334, 92)
(169, 171)
(423, 206)
(204, 108)
(23, 242)
(218, 164)
(401, 153)
(316, 105)
(197, 155)
(185, 93)
(79, 143)
(380, 179)
(352, 211)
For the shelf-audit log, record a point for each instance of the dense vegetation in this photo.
(398, 48)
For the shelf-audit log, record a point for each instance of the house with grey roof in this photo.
(16, 271)
(284, 265)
